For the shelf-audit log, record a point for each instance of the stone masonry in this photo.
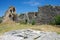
(44, 15)
(47, 13)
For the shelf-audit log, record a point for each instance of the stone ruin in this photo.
(28, 16)
(45, 15)
(10, 15)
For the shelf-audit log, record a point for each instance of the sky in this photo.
(23, 6)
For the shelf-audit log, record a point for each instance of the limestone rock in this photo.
(10, 15)
(29, 34)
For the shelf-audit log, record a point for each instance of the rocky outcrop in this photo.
(29, 34)
(10, 15)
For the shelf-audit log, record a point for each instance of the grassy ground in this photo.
(16, 26)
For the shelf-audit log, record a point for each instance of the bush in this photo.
(33, 22)
(57, 20)
(52, 22)
(26, 21)
(0, 19)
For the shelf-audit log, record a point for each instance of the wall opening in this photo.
(13, 9)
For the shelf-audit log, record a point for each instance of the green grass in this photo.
(58, 32)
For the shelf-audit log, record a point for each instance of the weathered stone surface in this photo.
(28, 16)
(47, 13)
(28, 34)
(10, 15)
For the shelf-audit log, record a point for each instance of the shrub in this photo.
(52, 22)
(26, 21)
(33, 22)
(57, 20)
(0, 19)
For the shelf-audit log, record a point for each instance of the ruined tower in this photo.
(10, 15)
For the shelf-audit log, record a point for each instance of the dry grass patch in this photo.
(17, 26)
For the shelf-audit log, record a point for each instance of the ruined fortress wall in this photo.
(46, 13)
(28, 16)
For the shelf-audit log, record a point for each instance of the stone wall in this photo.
(46, 13)
(28, 16)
